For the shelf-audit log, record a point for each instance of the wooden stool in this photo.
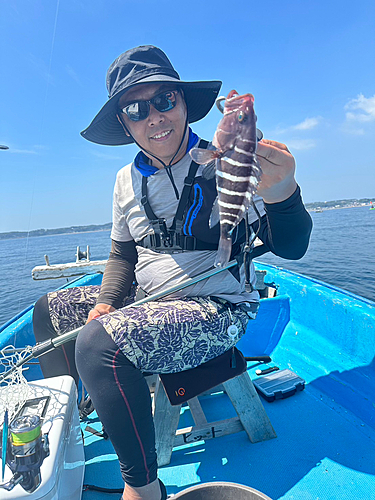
(252, 417)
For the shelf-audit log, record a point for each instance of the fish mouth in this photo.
(232, 94)
(233, 99)
(161, 136)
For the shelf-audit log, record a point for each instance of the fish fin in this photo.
(209, 171)
(223, 252)
(215, 213)
(203, 156)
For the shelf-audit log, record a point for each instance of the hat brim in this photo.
(105, 128)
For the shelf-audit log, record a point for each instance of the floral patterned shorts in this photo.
(163, 336)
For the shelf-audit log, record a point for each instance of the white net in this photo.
(14, 389)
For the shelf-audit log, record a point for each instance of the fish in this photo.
(237, 170)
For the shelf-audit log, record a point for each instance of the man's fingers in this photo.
(272, 151)
(278, 145)
(92, 315)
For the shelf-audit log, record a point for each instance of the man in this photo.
(161, 235)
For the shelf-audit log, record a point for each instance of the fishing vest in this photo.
(190, 227)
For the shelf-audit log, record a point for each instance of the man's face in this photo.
(161, 132)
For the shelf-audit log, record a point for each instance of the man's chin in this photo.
(166, 154)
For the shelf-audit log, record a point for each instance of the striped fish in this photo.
(237, 171)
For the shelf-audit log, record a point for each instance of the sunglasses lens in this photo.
(140, 110)
(164, 102)
(137, 111)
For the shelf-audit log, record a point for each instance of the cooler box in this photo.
(63, 470)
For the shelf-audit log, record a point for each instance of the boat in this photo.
(372, 206)
(325, 444)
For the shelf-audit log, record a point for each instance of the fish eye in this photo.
(241, 116)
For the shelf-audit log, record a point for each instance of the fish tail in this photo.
(223, 252)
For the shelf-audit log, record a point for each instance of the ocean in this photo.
(341, 253)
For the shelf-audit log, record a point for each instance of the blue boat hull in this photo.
(325, 447)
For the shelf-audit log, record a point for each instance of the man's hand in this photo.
(278, 166)
(99, 310)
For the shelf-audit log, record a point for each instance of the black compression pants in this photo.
(59, 361)
(121, 397)
(119, 392)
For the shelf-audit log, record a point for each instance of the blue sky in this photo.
(309, 64)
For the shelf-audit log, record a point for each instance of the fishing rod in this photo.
(51, 344)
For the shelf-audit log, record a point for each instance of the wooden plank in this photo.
(249, 408)
(152, 381)
(67, 270)
(271, 292)
(166, 418)
(210, 430)
(197, 412)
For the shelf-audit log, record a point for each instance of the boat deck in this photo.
(322, 451)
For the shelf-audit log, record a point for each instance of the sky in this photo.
(309, 64)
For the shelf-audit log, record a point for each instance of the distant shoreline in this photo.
(92, 228)
(13, 235)
(324, 209)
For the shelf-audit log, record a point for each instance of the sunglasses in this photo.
(139, 110)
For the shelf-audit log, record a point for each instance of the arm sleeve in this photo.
(285, 228)
(118, 274)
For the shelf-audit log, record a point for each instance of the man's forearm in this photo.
(119, 274)
(286, 228)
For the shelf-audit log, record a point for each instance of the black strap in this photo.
(159, 223)
(188, 183)
(180, 242)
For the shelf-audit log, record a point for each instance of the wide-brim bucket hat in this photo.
(145, 64)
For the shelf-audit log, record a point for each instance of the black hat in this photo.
(145, 64)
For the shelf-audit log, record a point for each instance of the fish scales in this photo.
(237, 171)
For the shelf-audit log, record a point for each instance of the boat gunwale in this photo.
(319, 282)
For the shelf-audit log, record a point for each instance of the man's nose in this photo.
(155, 116)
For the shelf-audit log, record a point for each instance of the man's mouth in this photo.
(161, 136)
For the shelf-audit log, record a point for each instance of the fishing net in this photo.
(14, 389)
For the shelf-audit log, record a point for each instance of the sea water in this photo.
(341, 253)
(19, 256)
(341, 250)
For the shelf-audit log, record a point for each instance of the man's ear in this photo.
(123, 126)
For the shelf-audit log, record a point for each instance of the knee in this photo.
(89, 346)
(41, 320)
(87, 338)
(40, 307)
